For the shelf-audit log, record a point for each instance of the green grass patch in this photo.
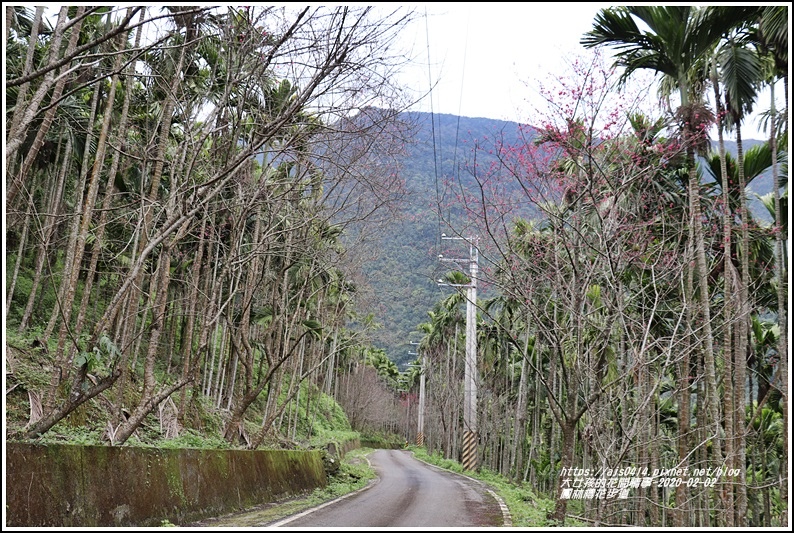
(192, 439)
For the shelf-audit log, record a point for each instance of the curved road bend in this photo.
(408, 493)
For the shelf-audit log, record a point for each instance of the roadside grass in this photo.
(354, 473)
(527, 509)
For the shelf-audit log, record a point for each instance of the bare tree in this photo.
(272, 94)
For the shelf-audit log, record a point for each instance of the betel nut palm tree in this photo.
(672, 41)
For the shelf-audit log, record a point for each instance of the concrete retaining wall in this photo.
(95, 486)
(338, 451)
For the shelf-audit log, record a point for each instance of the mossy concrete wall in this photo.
(339, 450)
(96, 486)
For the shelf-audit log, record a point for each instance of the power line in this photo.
(456, 169)
(433, 129)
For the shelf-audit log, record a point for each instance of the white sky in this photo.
(486, 58)
(482, 55)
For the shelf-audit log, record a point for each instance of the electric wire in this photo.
(455, 162)
(433, 134)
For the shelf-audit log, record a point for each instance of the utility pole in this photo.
(420, 431)
(470, 376)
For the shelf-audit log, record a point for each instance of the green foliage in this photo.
(319, 422)
(353, 474)
(29, 355)
(527, 509)
(202, 424)
(314, 327)
(45, 298)
(105, 349)
(403, 271)
(437, 459)
(193, 439)
(78, 435)
(386, 368)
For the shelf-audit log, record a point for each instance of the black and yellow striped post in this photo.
(420, 430)
(469, 450)
(470, 377)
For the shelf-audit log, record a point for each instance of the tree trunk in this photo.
(782, 308)
(742, 333)
(49, 116)
(149, 398)
(60, 310)
(186, 351)
(519, 429)
(48, 229)
(128, 427)
(28, 111)
(71, 276)
(79, 200)
(681, 512)
(728, 305)
(23, 239)
(706, 340)
(656, 520)
(120, 134)
(566, 462)
(20, 106)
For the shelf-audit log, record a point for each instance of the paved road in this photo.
(408, 493)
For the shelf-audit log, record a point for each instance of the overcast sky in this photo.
(483, 55)
(486, 58)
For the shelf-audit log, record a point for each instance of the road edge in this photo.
(295, 516)
(507, 518)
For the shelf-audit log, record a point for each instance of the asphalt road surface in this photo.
(408, 493)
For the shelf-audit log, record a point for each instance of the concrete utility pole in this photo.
(420, 431)
(470, 458)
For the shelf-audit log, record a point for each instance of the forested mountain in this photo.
(439, 159)
(404, 264)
